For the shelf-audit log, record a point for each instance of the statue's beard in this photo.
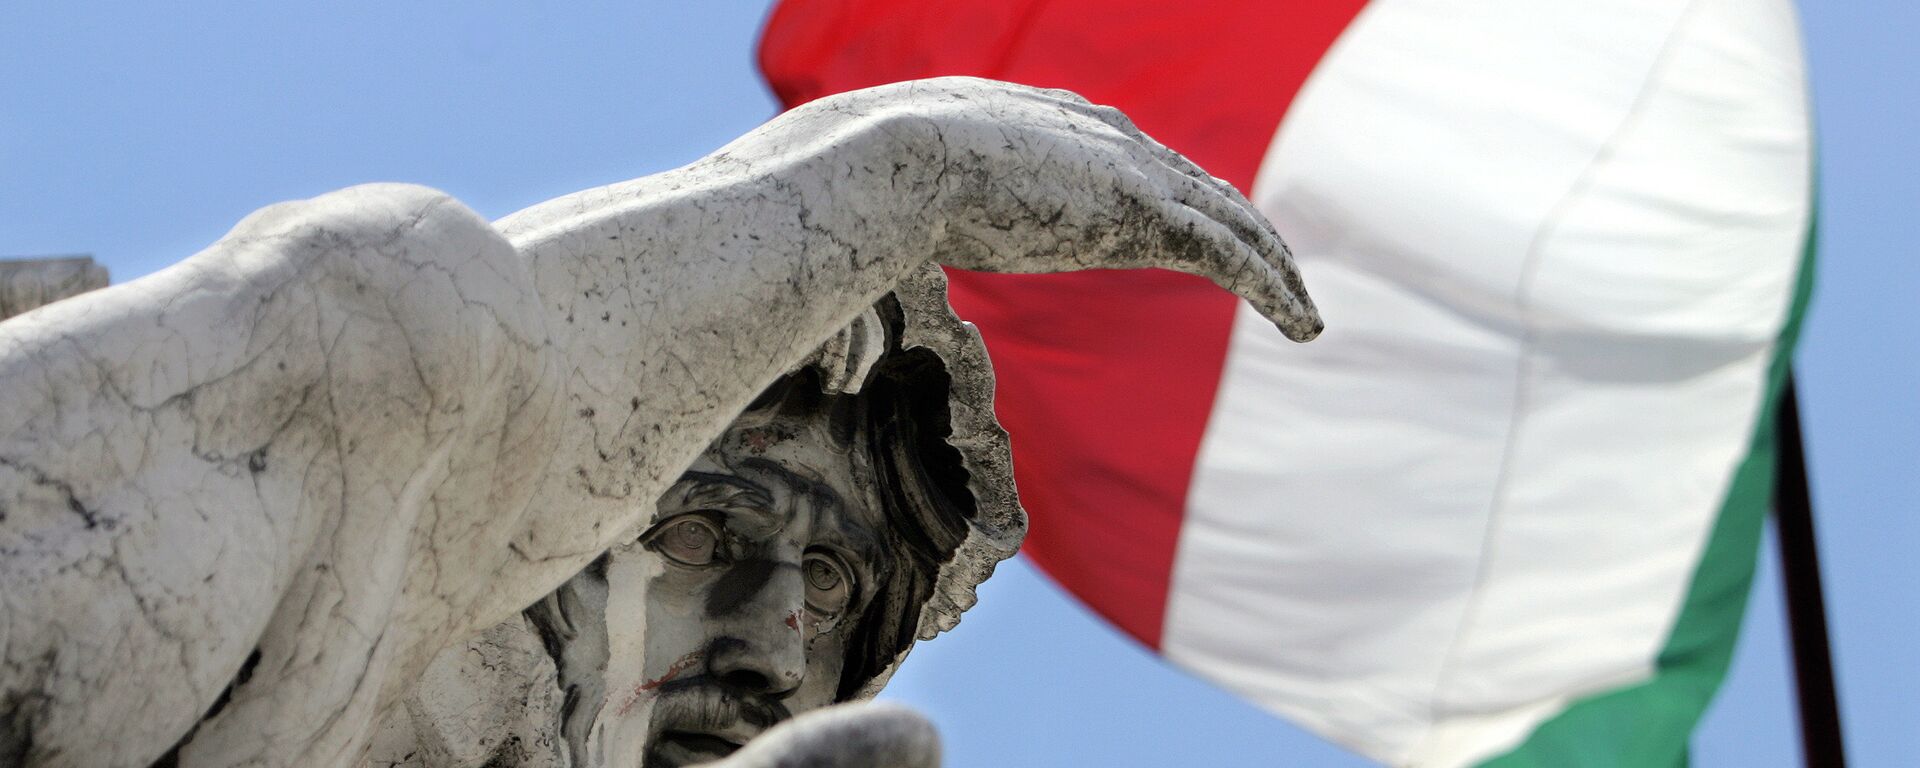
(698, 719)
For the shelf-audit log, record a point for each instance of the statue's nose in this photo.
(766, 667)
(763, 650)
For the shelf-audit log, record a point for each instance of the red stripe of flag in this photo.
(1106, 379)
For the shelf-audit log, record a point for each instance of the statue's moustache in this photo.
(705, 705)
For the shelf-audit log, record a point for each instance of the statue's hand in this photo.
(1018, 179)
(858, 735)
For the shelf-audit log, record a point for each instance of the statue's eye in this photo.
(829, 583)
(689, 539)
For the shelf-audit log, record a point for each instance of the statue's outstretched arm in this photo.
(680, 296)
(255, 492)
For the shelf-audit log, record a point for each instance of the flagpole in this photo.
(1820, 739)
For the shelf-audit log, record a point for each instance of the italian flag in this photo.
(1505, 510)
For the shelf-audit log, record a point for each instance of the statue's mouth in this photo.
(698, 720)
(677, 748)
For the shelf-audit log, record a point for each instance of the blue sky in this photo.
(139, 132)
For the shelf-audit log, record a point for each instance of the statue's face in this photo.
(733, 609)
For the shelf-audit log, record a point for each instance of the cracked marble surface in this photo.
(248, 498)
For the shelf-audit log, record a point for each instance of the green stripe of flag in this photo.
(1649, 723)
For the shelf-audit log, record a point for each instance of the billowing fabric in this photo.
(1506, 508)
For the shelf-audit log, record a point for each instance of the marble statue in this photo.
(850, 510)
(248, 501)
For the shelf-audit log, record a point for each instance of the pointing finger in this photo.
(1281, 295)
(1272, 285)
